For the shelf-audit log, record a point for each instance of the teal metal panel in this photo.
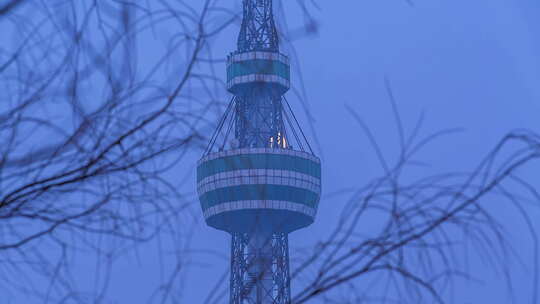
(259, 192)
(258, 66)
(258, 161)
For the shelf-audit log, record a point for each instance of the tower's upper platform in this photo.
(258, 69)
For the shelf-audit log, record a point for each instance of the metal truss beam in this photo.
(260, 268)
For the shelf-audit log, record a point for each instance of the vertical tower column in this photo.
(260, 265)
(259, 268)
(259, 120)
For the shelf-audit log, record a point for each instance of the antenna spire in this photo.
(258, 32)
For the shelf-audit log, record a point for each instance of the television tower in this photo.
(258, 178)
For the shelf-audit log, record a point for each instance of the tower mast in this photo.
(258, 31)
(260, 187)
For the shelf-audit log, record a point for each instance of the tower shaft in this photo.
(260, 268)
(259, 262)
(258, 108)
(259, 120)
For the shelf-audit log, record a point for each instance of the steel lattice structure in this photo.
(259, 183)
(258, 31)
(249, 285)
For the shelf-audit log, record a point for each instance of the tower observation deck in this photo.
(259, 179)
